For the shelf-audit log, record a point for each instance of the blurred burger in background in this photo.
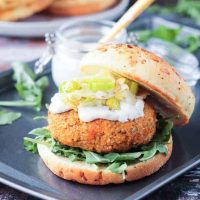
(12, 10)
(79, 7)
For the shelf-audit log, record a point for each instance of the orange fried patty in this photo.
(101, 135)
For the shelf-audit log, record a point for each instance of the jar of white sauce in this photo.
(72, 41)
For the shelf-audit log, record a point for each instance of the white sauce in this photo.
(130, 108)
(65, 66)
(57, 104)
(127, 112)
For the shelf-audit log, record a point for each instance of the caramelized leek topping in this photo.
(113, 103)
(69, 86)
(103, 88)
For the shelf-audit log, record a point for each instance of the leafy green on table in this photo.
(115, 162)
(29, 88)
(188, 8)
(8, 117)
(161, 32)
(40, 117)
(192, 42)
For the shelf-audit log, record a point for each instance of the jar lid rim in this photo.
(59, 32)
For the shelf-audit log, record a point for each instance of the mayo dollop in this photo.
(130, 108)
(58, 105)
(126, 112)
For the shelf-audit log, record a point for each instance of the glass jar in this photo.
(72, 41)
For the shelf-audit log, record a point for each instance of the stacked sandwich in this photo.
(114, 124)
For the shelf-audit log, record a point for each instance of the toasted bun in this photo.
(79, 7)
(24, 10)
(88, 174)
(7, 4)
(169, 91)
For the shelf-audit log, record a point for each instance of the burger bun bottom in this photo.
(85, 173)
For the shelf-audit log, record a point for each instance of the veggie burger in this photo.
(114, 124)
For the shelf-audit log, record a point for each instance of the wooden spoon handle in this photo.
(132, 13)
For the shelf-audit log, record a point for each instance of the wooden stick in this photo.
(132, 13)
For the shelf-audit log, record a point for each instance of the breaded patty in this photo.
(101, 135)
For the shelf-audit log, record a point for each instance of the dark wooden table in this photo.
(186, 187)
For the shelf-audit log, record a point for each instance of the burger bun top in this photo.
(168, 91)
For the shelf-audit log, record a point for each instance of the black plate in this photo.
(26, 172)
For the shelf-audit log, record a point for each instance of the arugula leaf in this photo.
(40, 117)
(28, 88)
(162, 148)
(144, 35)
(116, 162)
(42, 83)
(149, 153)
(118, 168)
(42, 137)
(34, 141)
(8, 117)
(17, 103)
(113, 166)
(161, 32)
(163, 129)
(188, 8)
(22, 73)
(191, 42)
(72, 157)
(66, 151)
(122, 156)
(166, 33)
(44, 132)
(92, 157)
(30, 145)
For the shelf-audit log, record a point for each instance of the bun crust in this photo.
(87, 174)
(24, 10)
(168, 90)
(79, 7)
(7, 4)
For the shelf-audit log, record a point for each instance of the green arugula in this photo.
(122, 156)
(188, 8)
(161, 32)
(8, 117)
(28, 87)
(93, 158)
(40, 117)
(115, 162)
(191, 42)
(118, 168)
